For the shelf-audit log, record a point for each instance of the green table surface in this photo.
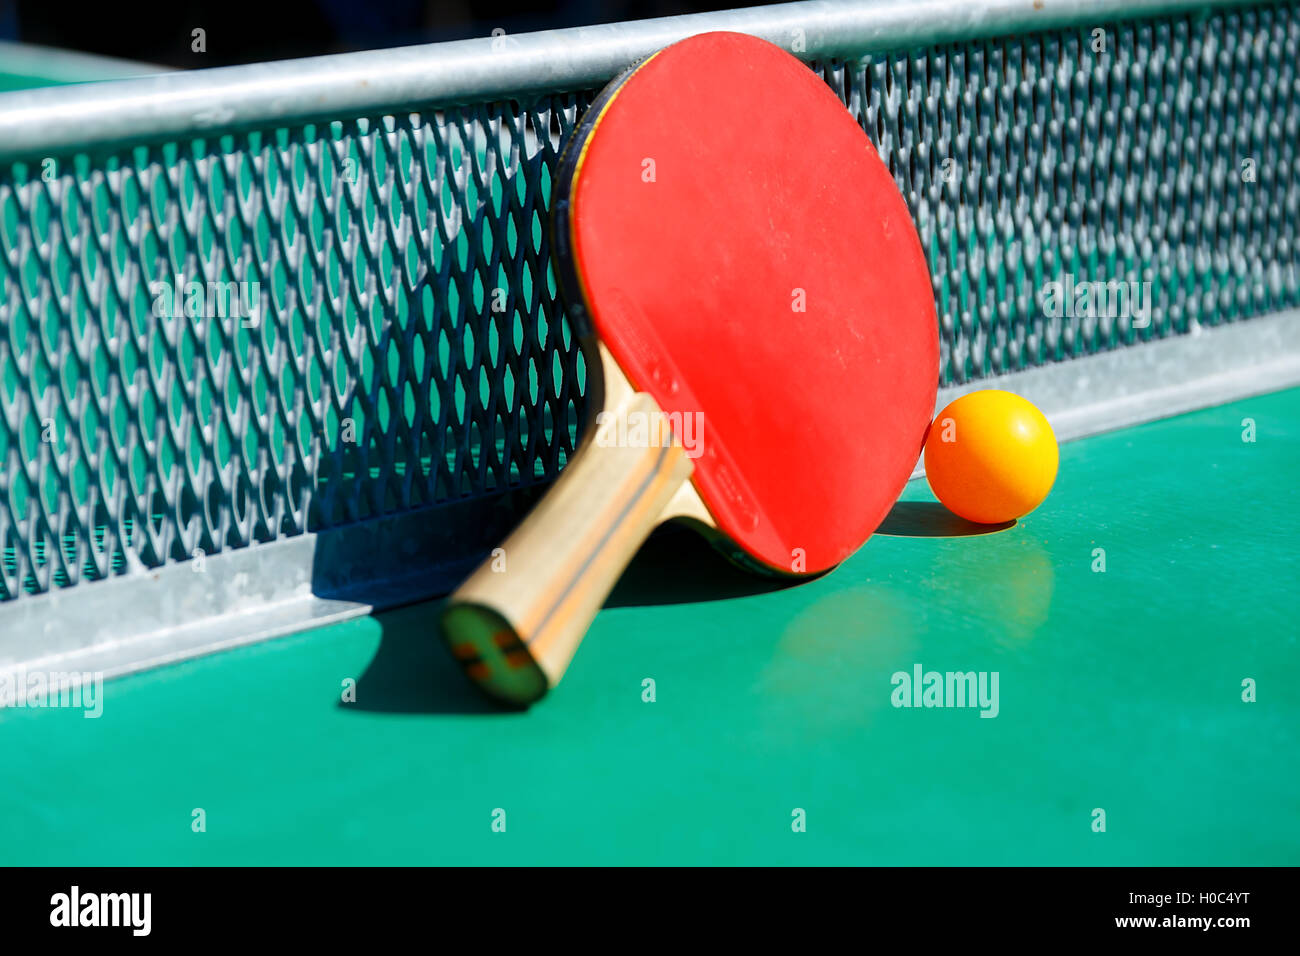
(25, 67)
(1119, 690)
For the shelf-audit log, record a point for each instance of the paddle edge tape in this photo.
(574, 293)
(572, 289)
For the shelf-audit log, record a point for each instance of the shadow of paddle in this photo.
(412, 671)
(677, 566)
(930, 519)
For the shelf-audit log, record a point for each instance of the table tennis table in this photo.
(244, 523)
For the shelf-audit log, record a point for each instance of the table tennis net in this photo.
(398, 343)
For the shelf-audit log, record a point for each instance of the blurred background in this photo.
(245, 31)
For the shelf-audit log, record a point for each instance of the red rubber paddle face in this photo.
(741, 250)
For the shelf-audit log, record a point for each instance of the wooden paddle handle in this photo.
(515, 623)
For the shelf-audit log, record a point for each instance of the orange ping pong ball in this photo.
(991, 456)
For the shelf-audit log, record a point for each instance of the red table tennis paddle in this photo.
(759, 325)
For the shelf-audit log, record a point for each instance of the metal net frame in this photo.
(363, 321)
